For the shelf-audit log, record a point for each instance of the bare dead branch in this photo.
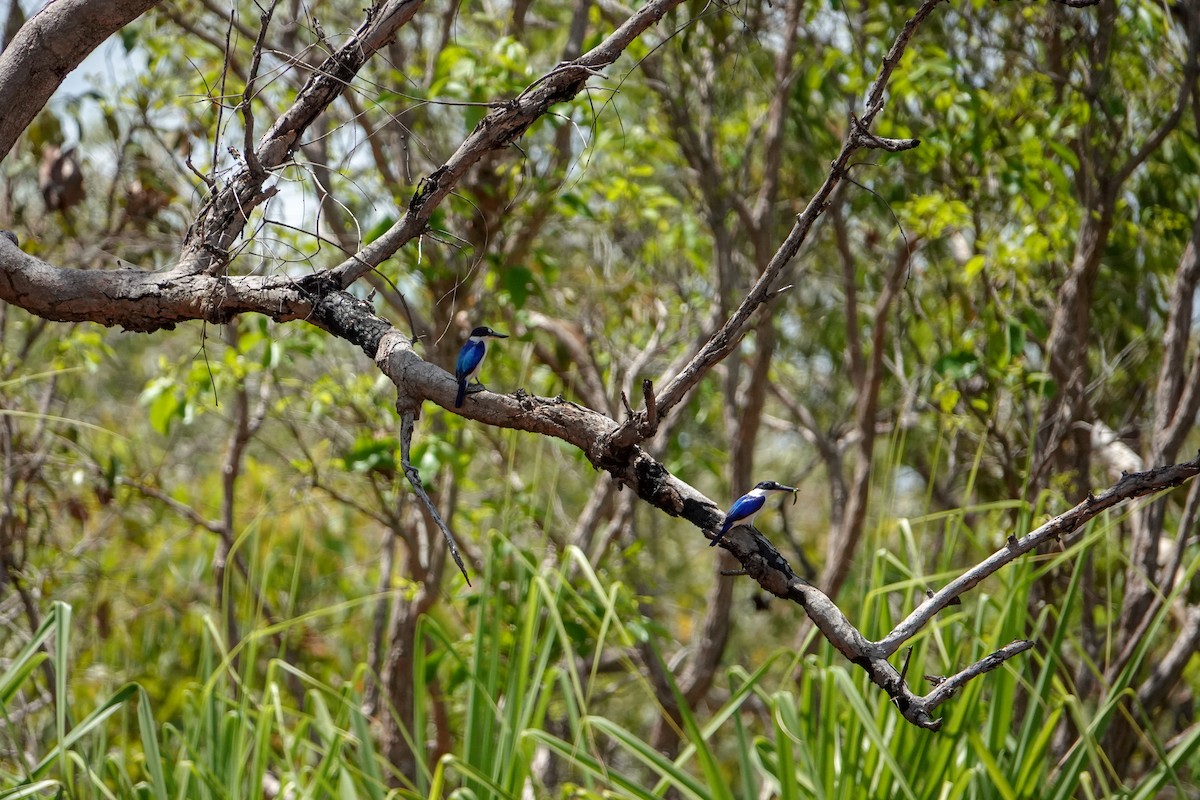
(1138, 484)
(874, 102)
(945, 688)
(414, 478)
(651, 415)
(864, 138)
(252, 162)
(140, 300)
(497, 130)
(223, 216)
(724, 340)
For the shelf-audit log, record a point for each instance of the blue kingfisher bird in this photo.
(745, 507)
(471, 357)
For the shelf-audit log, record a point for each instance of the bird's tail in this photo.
(462, 392)
(719, 536)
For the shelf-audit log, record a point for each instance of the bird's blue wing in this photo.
(468, 359)
(743, 507)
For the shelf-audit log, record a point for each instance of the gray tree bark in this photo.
(47, 48)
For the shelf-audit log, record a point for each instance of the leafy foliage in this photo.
(217, 582)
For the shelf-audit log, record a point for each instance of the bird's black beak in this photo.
(499, 335)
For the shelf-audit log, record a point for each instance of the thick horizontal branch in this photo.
(138, 300)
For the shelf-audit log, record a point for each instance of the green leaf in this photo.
(367, 455)
(957, 365)
(519, 283)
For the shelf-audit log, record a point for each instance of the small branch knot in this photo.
(864, 138)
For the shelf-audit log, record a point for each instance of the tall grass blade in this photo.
(91, 723)
(150, 751)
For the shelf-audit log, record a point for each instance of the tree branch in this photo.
(220, 221)
(724, 340)
(414, 478)
(500, 128)
(139, 300)
(944, 688)
(47, 48)
(1137, 484)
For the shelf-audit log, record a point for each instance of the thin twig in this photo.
(252, 162)
(216, 153)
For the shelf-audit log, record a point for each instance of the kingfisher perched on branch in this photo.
(471, 357)
(745, 507)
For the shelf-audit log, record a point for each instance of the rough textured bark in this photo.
(47, 48)
(225, 213)
(196, 290)
(138, 300)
